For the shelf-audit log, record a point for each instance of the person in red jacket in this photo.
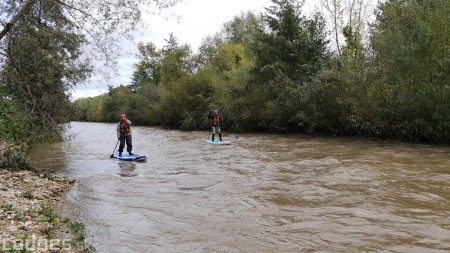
(124, 134)
(215, 124)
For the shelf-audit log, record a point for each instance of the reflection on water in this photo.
(263, 193)
(127, 169)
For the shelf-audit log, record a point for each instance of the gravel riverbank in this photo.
(28, 214)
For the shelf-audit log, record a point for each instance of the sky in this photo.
(190, 22)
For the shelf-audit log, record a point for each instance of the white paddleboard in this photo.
(218, 142)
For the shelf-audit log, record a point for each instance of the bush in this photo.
(14, 155)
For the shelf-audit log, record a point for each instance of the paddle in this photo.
(112, 155)
(236, 135)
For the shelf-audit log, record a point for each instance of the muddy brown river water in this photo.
(263, 193)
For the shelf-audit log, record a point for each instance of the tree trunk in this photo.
(20, 14)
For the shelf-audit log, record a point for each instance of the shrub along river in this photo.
(262, 193)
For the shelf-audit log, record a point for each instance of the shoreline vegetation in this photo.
(29, 221)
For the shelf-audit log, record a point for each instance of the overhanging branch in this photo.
(19, 14)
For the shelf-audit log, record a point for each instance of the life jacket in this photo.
(124, 128)
(216, 120)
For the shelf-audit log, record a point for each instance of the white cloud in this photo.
(199, 18)
(84, 93)
(190, 22)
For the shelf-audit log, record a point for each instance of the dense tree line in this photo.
(271, 72)
(275, 72)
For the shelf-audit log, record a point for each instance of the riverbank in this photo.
(28, 216)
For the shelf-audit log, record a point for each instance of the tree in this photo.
(294, 45)
(335, 11)
(176, 67)
(119, 100)
(348, 19)
(42, 64)
(90, 109)
(176, 64)
(241, 29)
(287, 56)
(148, 69)
(100, 22)
(208, 50)
(410, 41)
(94, 17)
(171, 44)
(41, 44)
(20, 11)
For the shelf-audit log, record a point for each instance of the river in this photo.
(263, 193)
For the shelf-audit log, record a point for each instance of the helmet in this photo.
(216, 112)
(123, 116)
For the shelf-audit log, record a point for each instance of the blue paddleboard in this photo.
(127, 157)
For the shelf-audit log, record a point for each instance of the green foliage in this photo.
(79, 230)
(176, 65)
(287, 57)
(42, 43)
(11, 250)
(41, 66)
(28, 195)
(294, 46)
(336, 100)
(410, 39)
(242, 29)
(49, 213)
(13, 121)
(7, 207)
(148, 69)
(118, 101)
(48, 232)
(15, 156)
(400, 93)
(175, 72)
(228, 58)
(200, 91)
(276, 73)
(354, 48)
(208, 51)
(90, 109)
(147, 100)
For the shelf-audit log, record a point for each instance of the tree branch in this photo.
(8, 26)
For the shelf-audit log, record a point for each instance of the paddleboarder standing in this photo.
(124, 134)
(215, 124)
